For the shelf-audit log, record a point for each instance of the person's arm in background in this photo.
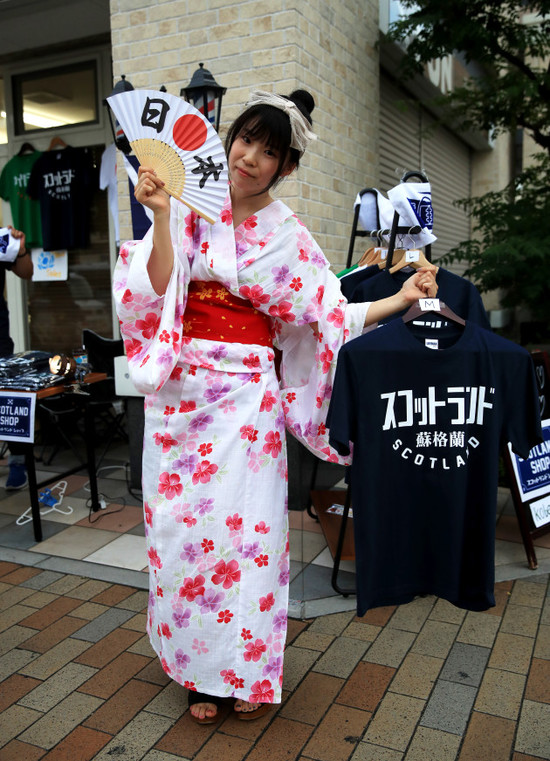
(22, 265)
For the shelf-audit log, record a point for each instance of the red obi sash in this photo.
(213, 312)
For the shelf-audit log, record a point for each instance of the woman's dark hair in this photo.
(263, 122)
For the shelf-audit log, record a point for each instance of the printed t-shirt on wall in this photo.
(427, 427)
(13, 188)
(63, 182)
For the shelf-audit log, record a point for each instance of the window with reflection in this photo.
(55, 98)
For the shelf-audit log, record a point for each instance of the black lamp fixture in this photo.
(202, 89)
(121, 141)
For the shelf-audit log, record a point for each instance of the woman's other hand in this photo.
(421, 285)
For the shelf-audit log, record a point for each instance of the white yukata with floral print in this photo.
(214, 464)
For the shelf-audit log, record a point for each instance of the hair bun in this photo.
(304, 98)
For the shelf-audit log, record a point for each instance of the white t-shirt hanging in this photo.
(108, 182)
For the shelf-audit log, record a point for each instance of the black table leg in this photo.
(33, 492)
(89, 430)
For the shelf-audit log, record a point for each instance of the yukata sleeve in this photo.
(312, 321)
(151, 325)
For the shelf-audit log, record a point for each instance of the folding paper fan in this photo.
(173, 138)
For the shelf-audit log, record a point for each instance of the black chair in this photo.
(108, 409)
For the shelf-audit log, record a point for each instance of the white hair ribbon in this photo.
(301, 135)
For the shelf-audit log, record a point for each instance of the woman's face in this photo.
(253, 164)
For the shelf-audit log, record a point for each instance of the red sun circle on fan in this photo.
(189, 132)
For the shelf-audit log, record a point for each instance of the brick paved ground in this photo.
(420, 682)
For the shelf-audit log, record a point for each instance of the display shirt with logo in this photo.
(13, 188)
(63, 181)
(427, 425)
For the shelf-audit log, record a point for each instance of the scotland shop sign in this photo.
(17, 416)
(533, 478)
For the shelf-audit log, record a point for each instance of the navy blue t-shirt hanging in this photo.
(459, 294)
(426, 427)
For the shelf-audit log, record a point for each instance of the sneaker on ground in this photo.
(17, 478)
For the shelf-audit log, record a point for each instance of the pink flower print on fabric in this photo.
(283, 311)
(210, 601)
(326, 358)
(199, 646)
(252, 361)
(224, 617)
(180, 511)
(262, 692)
(182, 659)
(149, 325)
(267, 602)
(191, 588)
(204, 506)
(253, 651)
(164, 630)
(267, 402)
(191, 552)
(226, 216)
(226, 574)
(132, 347)
(169, 485)
(248, 432)
(187, 463)
(234, 523)
(251, 222)
(200, 422)
(154, 558)
(273, 445)
(254, 462)
(336, 316)
(204, 472)
(216, 392)
(228, 406)
(217, 353)
(273, 668)
(181, 617)
(250, 550)
(255, 294)
(281, 275)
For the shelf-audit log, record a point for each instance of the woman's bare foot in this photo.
(245, 707)
(247, 711)
(202, 711)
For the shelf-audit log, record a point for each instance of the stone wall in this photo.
(280, 45)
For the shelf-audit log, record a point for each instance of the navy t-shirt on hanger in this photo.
(459, 294)
(349, 282)
(427, 426)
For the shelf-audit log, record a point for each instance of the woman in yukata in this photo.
(203, 308)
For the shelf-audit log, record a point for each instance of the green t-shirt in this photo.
(13, 188)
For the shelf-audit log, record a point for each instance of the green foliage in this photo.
(509, 84)
(511, 250)
(506, 46)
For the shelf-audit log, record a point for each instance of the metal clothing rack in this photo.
(344, 534)
(355, 233)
